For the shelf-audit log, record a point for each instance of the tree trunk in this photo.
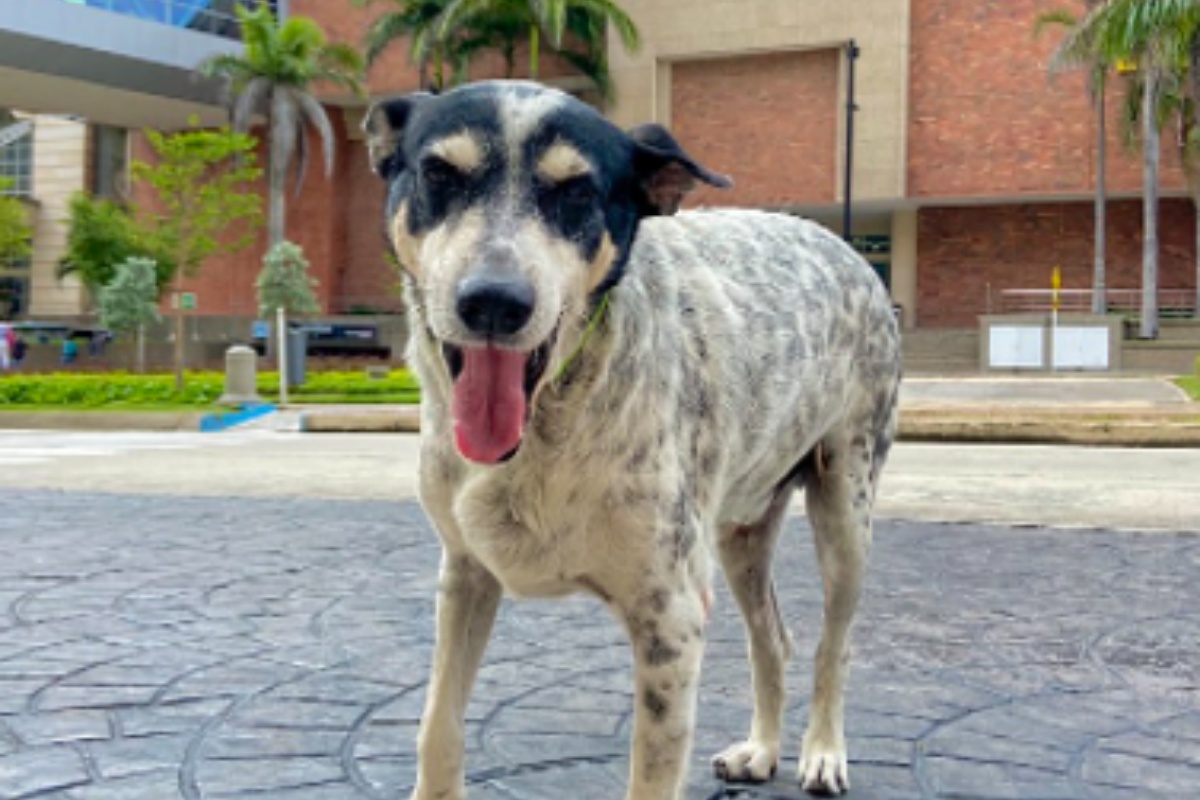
(534, 36)
(1099, 271)
(1149, 322)
(276, 173)
(141, 349)
(180, 353)
(1196, 206)
(1192, 130)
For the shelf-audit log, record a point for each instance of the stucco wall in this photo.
(59, 171)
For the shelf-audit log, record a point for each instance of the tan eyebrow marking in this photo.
(561, 162)
(460, 150)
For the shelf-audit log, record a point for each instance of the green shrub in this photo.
(201, 388)
(94, 390)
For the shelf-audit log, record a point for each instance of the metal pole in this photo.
(851, 57)
(281, 341)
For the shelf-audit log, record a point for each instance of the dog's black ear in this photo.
(667, 173)
(384, 127)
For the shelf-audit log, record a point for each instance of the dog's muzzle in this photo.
(493, 383)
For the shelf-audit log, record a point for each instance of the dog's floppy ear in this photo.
(666, 172)
(384, 127)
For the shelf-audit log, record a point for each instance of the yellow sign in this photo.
(1055, 286)
(1126, 66)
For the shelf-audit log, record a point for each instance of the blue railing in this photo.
(214, 17)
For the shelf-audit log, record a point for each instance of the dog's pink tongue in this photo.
(489, 403)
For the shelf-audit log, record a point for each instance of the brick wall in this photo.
(963, 251)
(368, 279)
(392, 73)
(768, 120)
(986, 119)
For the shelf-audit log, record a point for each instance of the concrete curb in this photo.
(1106, 427)
(400, 419)
(1110, 427)
(101, 420)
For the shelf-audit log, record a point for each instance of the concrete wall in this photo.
(60, 148)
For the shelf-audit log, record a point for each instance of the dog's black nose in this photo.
(495, 306)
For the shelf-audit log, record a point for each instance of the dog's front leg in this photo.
(468, 597)
(667, 629)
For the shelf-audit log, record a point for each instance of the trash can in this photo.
(241, 377)
(297, 355)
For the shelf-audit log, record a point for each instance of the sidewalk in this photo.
(1139, 412)
(1102, 410)
(1134, 412)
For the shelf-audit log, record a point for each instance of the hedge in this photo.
(200, 388)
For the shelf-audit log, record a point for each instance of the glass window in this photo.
(209, 16)
(13, 291)
(16, 165)
(110, 149)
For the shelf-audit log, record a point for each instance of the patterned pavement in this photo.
(270, 649)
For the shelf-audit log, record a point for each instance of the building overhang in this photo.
(62, 58)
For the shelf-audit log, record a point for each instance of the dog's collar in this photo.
(593, 323)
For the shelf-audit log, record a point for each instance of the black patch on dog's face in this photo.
(629, 175)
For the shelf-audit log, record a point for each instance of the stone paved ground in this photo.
(158, 648)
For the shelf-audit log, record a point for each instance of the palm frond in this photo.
(383, 32)
(314, 112)
(254, 99)
(285, 129)
(612, 13)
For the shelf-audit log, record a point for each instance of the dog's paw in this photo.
(823, 769)
(747, 762)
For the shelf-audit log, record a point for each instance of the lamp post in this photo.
(852, 53)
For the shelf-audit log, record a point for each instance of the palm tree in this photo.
(273, 76)
(1182, 18)
(546, 17)
(1075, 50)
(1145, 33)
(419, 21)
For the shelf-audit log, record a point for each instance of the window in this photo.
(110, 148)
(13, 290)
(16, 165)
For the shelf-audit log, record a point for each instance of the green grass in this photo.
(1191, 385)
(154, 408)
(121, 391)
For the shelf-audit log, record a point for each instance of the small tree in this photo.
(129, 302)
(202, 182)
(15, 232)
(101, 235)
(285, 283)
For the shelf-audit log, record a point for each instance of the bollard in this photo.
(241, 377)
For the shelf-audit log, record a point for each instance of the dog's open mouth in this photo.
(492, 391)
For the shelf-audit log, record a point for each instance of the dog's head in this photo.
(514, 208)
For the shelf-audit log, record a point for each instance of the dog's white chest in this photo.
(524, 534)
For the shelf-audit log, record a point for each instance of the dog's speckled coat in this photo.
(741, 354)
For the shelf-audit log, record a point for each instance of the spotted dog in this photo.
(614, 394)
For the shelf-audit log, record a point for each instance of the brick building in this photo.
(973, 170)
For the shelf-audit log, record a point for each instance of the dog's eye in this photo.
(570, 203)
(437, 174)
(577, 192)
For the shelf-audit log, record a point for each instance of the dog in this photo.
(616, 394)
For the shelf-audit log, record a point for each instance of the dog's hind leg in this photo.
(466, 608)
(838, 500)
(746, 554)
